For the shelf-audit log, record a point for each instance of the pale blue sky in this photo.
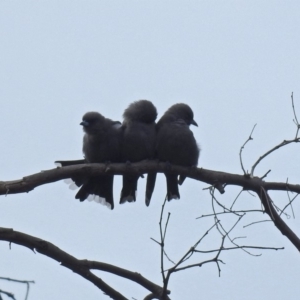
(234, 62)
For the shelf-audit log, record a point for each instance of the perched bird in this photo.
(138, 142)
(175, 143)
(101, 144)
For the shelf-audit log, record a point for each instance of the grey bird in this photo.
(138, 142)
(101, 144)
(175, 143)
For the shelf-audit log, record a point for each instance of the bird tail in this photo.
(129, 188)
(65, 163)
(172, 187)
(98, 188)
(181, 179)
(151, 178)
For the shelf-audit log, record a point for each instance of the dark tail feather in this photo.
(151, 178)
(172, 187)
(101, 186)
(65, 163)
(86, 189)
(104, 189)
(181, 179)
(129, 188)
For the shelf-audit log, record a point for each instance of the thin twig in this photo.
(278, 222)
(262, 221)
(235, 199)
(295, 120)
(236, 212)
(240, 247)
(282, 144)
(290, 201)
(264, 176)
(27, 282)
(224, 232)
(162, 242)
(187, 255)
(241, 150)
(290, 204)
(10, 295)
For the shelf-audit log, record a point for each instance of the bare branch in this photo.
(264, 176)
(256, 222)
(30, 182)
(187, 255)
(290, 202)
(241, 150)
(295, 120)
(151, 297)
(236, 212)
(162, 239)
(211, 177)
(278, 222)
(282, 144)
(10, 295)
(225, 233)
(238, 195)
(240, 247)
(81, 267)
(27, 282)
(19, 281)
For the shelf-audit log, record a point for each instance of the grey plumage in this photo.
(101, 144)
(176, 144)
(138, 142)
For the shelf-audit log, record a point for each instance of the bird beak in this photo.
(193, 122)
(84, 123)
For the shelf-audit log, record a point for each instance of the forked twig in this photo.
(256, 222)
(27, 282)
(295, 120)
(10, 295)
(162, 239)
(240, 247)
(250, 138)
(283, 143)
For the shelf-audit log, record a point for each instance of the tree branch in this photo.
(282, 144)
(213, 178)
(10, 295)
(81, 267)
(278, 222)
(250, 138)
(28, 183)
(27, 282)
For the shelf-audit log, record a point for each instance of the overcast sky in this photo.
(235, 63)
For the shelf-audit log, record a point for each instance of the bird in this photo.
(101, 144)
(138, 142)
(175, 143)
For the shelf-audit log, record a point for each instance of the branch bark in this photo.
(278, 222)
(214, 178)
(81, 267)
